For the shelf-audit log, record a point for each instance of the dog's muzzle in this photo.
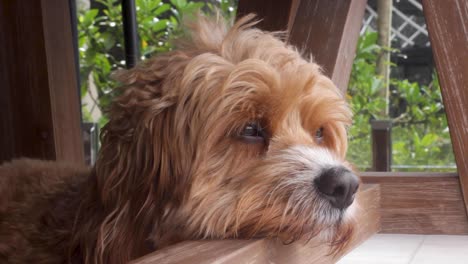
(333, 181)
(338, 185)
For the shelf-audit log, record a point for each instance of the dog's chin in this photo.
(330, 225)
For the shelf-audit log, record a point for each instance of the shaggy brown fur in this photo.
(176, 164)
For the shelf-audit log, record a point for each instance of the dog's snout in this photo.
(338, 185)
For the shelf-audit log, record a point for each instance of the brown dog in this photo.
(231, 135)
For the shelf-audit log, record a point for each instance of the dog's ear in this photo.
(132, 157)
(136, 174)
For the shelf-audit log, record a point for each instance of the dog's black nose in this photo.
(338, 185)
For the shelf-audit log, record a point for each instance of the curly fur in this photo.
(172, 165)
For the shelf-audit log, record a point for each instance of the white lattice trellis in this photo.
(405, 37)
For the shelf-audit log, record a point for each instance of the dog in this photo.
(230, 135)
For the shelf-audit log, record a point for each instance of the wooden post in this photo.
(381, 145)
(448, 32)
(39, 97)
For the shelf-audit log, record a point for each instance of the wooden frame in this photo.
(420, 203)
(447, 27)
(436, 203)
(39, 97)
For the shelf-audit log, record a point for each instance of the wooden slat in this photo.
(40, 109)
(64, 93)
(329, 30)
(420, 203)
(208, 251)
(274, 17)
(24, 74)
(447, 23)
(269, 251)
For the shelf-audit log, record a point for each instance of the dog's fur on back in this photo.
(175, 163)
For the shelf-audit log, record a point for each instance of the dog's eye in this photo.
(253, 133)
(319, 135)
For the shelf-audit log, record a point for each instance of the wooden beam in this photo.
(274, 16)
(270, 251)
(329, 30)
(448, 32)
(420, 203)
(40, 109)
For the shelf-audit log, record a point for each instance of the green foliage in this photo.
(421, 135)
(101, 43)
(420, 131)
(365, 102)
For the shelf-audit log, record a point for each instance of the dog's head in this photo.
(231, 135)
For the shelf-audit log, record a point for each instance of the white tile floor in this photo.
(410, 249)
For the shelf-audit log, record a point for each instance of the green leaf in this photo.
(90, 15)
(376, 85)
(179, 3)
(162, 9)
(108, 40)
(429, 139)
(160, 25)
